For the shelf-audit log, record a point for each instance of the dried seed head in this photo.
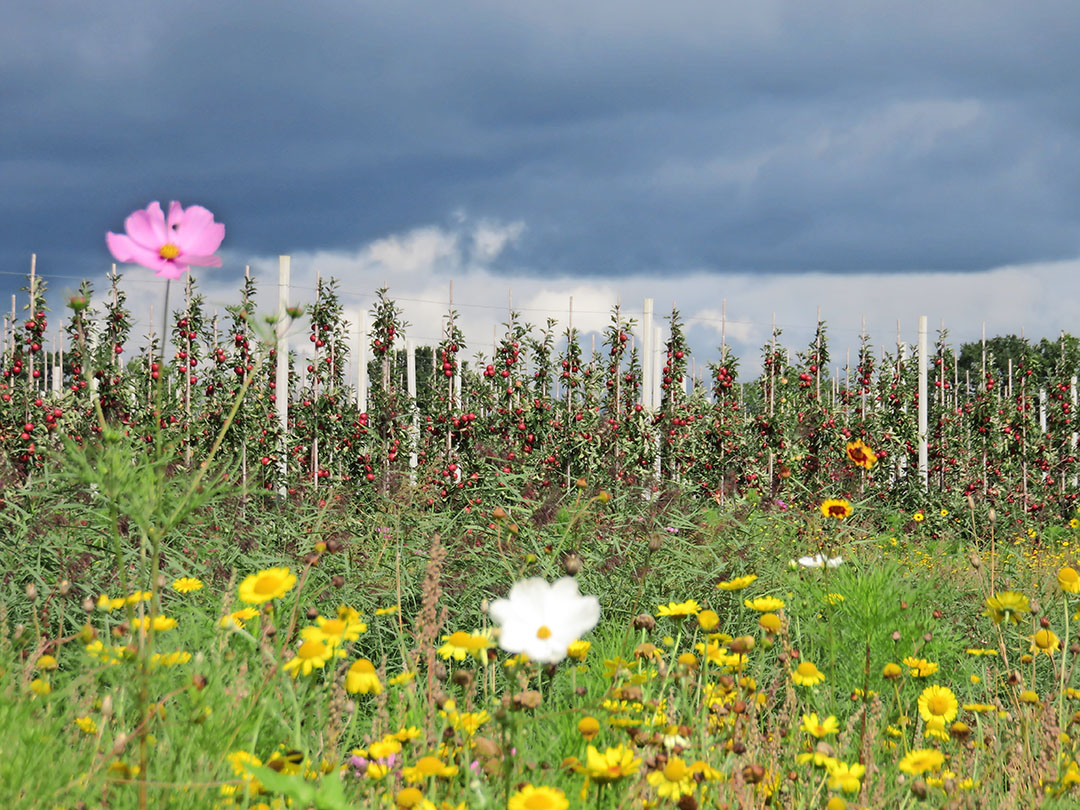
(644, 621)
(312, 613)
(976, 562)
(463, 677)
(63, 587)
(338, 581)
(918, 787)
(992, 515)
(572, 563)
(88, 605)
(656, 540)
(31, 592)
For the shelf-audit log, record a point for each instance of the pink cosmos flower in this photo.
(169, 246)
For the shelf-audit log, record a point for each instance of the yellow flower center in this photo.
(675, 770)
(311, 649)
(429, 766)
(333, 627)
(806, 669)
(169, 251)
(539, 801)
(268, 583)
(938, 705)
(459, 639)
(544, 632)
(409, 797)
(1044, 640)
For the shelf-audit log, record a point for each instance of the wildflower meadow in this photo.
(240, 575)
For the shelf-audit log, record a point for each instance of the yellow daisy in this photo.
(736, 584)
(764, 604)
(310, 655)
(938, 702)
(187, 584)
(270, 583)
(806, 674)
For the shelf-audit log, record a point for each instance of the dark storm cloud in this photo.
(628, 137)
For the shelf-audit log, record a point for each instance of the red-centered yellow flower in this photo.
(426, 767)
(271, 583)
(1045, 642)
(1069, 579)
(921, 760)
(860, 455)
(845, 777)
(938, 702)
(613, 764)
(310, 655)
(538, 798)
(819, 728)
(1007, 606)
(806, 674)
(362, 678)
(836, 508)
(679, 609)
(736, 584)
(674, 780)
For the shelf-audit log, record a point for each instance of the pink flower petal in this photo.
(171, 270)
(176, 216)
(126, 249)
(147, 227)
(200, 261)
(197, 233)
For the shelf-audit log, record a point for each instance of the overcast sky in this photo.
(886, 159)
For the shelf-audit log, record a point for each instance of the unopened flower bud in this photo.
(31, 592)
(63, 587)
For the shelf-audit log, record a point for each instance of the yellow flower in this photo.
(674, 780)
(1028, 696)
(1045, 641)
(920, 667)
(834, 598)
(938, 701)
(944, 512)
(806, 674)
(270, 583)
(386, 610)
(736, 584)
(918, 517)
(935, 728)
(187, 584)
(708, 620)
(679, 609)
(819, 728)
(578, 650)
(1068, 579)
(614, 763)
(921, 760)
(469, 722)
(459, 645)
(310, 655)
(40, 687)
(1074, 524)
(538, 798)
(427, 767)
(47, 662)
(160, 623)
(860, 455)
(588, 727)
(362, 678)
(845, 777)
(764, 604)
(238, 617)
(891, 671)
(1007, 605)
(409, 797)
(401, 678)
(334, 632)
(836, 508)
(770, 623)
(87, 724)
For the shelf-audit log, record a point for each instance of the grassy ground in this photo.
(887, 681)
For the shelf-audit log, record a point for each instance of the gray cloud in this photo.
(631, 138)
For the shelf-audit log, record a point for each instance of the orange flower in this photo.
(861, 455)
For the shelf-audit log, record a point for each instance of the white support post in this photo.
(1042, 410)
(362, 363)
(410, 382)
(924, 464)
(657, 364)
(281, 376)
(1075, 436)
(646, 355)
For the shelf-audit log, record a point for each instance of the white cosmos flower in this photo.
(820, 561)
(542, 620)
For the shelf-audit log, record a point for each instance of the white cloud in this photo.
(420, 264)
